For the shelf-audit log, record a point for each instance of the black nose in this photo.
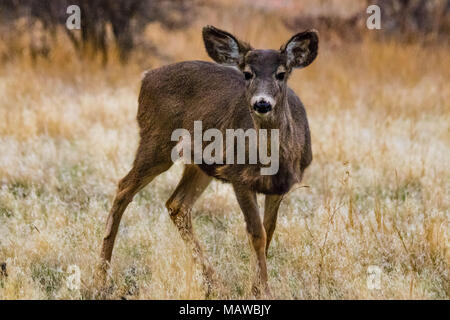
(262, 106)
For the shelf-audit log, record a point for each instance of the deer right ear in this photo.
(301, 49)
(223, 47)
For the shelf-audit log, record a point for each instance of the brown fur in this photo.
(176, 95)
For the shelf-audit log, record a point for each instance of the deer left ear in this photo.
(223, 47)
(301, 49)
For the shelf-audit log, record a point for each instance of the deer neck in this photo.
(281, 120)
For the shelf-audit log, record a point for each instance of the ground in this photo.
(376, 193)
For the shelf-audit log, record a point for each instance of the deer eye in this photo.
(248, 75)
(280, 76)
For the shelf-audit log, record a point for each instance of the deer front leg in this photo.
(249, 206)
(271, 206)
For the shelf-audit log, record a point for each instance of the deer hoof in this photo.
(262, 293)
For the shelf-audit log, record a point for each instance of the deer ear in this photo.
(301, 49)
(223, 47)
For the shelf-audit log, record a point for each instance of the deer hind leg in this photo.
(179, 205)
(144, 170)
(249, 206)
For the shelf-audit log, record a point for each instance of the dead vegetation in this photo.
(377, 192)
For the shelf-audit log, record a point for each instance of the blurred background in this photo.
(36, 28)
(376, 193)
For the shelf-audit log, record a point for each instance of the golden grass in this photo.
(378, 187)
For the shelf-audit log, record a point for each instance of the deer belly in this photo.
(249, 175)
(279, 183)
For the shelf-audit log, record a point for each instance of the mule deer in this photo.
(245, 89)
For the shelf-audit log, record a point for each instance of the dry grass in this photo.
(378, 187)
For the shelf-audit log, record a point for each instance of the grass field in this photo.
(376, 193)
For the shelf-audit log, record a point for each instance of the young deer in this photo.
(246, 88)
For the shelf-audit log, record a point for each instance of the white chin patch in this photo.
(262, 115)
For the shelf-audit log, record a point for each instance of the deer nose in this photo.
(262, 106)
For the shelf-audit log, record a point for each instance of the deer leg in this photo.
(135, 180)
(271, 206)
(249, 206)
(179, 205)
